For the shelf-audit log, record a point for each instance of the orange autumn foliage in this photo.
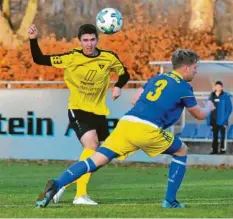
(139, 42)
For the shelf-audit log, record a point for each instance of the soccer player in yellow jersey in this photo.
(87, 75)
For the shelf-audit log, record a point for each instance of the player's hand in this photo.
(209, 104)
(116, 92)
(32, 32)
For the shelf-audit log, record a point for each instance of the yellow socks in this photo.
(83, 181)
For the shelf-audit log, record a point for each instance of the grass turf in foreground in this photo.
(122, 191)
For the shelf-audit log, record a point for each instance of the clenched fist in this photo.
(32, 32)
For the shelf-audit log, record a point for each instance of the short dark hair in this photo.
(184, 57)
(87, 29)
(219, 83)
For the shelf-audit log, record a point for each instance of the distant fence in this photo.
(10, 83)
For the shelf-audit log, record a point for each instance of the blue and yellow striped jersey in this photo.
(163, 99)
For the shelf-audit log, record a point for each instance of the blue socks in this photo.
(75, 171)
(175, 176)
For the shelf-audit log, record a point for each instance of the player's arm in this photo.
(201, 113)
(137, 95)
(58, 61)
(121, 70)
(123, 76)
(190, 102)
(37, 55)
(123, 79)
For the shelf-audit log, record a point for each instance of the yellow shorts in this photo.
(130, 136)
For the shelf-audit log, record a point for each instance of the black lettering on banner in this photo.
(31, 125)
(14, 124)
(44, 121)
(90, 75)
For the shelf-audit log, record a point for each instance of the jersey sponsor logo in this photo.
(90, 75)
(101, 66)
(57, 60)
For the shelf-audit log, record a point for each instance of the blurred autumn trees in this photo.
(202, 15)
(10, 36)
(151, 31)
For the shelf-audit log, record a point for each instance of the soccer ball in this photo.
(109, 21)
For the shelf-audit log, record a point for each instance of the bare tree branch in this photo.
(6, 8)
(8, 39)
(28, 18)
(202, 18)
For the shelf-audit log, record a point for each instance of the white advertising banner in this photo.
(34, 124)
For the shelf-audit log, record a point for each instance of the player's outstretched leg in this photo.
(175, 177)
(74, 172)
(81, 191)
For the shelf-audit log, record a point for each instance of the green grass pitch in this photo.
(122, 191)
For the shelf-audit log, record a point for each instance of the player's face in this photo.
(191, 70)
(88, 43)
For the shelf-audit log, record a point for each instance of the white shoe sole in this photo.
(82, 201)
(75, 203)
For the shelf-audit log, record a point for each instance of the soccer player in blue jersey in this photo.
(157, 105)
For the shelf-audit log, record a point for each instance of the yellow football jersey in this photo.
(88, 77)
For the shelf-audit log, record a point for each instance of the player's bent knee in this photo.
(93, 146)
(99, 160)
(183, 151)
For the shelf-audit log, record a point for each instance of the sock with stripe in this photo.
(75, 171)
(81, 184)
(175, 176)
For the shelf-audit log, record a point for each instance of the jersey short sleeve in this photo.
(117, 65)
(61, 61)
(188, 98)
